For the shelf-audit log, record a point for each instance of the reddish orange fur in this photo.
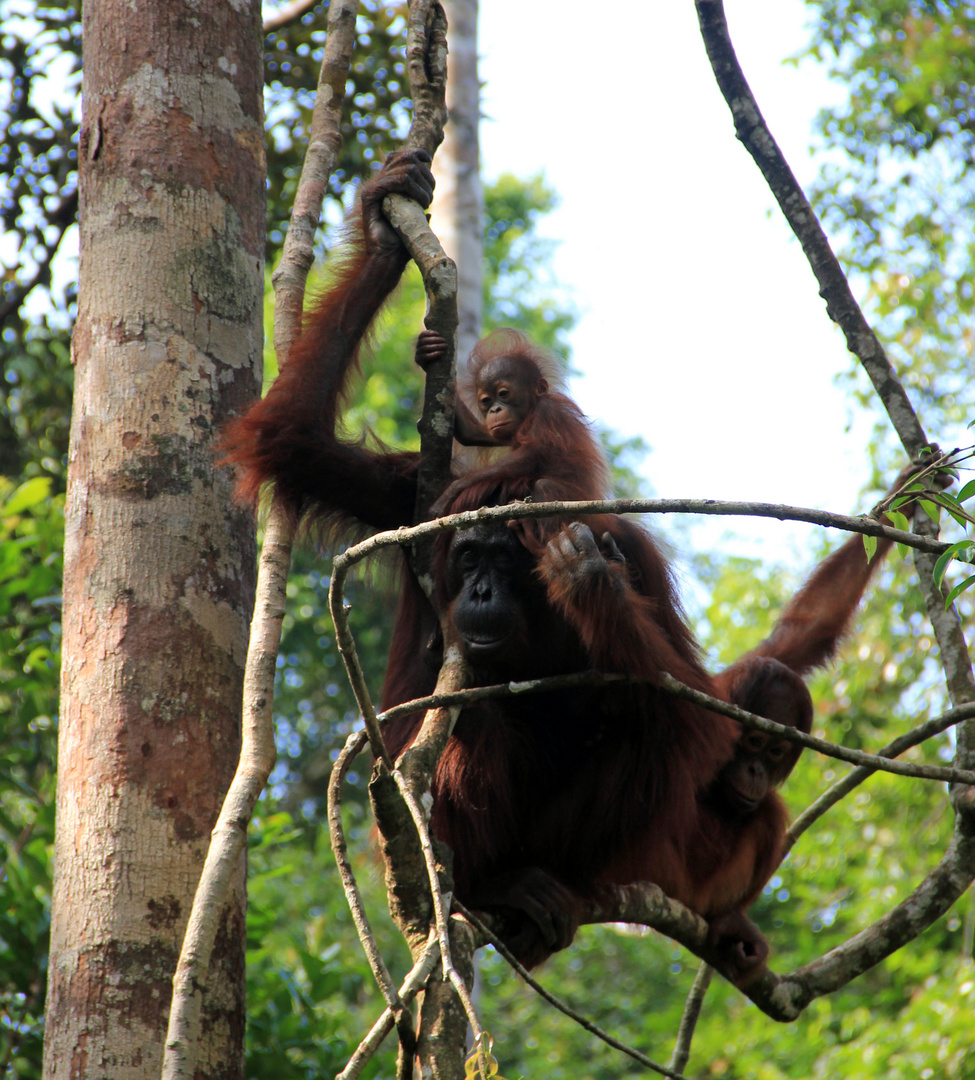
(554, 456)
(598, 786)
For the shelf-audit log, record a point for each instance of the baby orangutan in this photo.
(551, 455)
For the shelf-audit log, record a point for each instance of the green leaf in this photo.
(958, 590)
(27, 495)
(899, 520)
(870, 546)
(957, 511)
(931, 509)
(946, 557)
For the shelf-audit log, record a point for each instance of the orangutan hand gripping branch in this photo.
(550, 452)
(546, 798)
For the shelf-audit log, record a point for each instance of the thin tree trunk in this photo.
(458, 207)
(159, 565)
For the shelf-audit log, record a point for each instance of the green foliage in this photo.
(40, 59)
(900, 197)
(36, 381)
(40, 69)
(481, 1063)
(519, 289)
(309, 989)
(375, 118)
(31, 536)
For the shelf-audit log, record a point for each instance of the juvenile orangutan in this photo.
(552, 454)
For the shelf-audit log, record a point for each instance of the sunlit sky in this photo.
(701, 328)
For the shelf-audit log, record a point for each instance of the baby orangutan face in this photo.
(507, 388)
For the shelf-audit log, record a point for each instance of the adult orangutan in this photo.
(544, 798)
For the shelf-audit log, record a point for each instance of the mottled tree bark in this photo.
(159, 564)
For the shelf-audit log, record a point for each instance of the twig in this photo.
(501, 690)
(519, 510)
(324, 143)
(412, 985)
(449, 971)
(857, 757)
(547, 995)
(345, 643)
(353, 747)
(692, 1011)
(937, 463)
(286, 15)
(832, 795)
(229, 836)
(64, 216)
(869, 763)
(752, 130)
(426, 61)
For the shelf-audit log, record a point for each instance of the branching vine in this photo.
(420, 887)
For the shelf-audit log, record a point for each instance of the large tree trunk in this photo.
(458, 207)
(159, 565)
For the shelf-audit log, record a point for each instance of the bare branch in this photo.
(692, 1011)
(752, 130)
(501, 690)
(412, 985)
(869, 763)
(287, 14)
(783, 997)
(353, 747)
(518, 510)
(229, 836)
(491, 939)
(426, 59)
(832, 795)
(450, 972)
(441, 1027)
(324, 143)
(950, 636)
(857, 757)
(345, 643)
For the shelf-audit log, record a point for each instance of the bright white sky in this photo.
(701, 326)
